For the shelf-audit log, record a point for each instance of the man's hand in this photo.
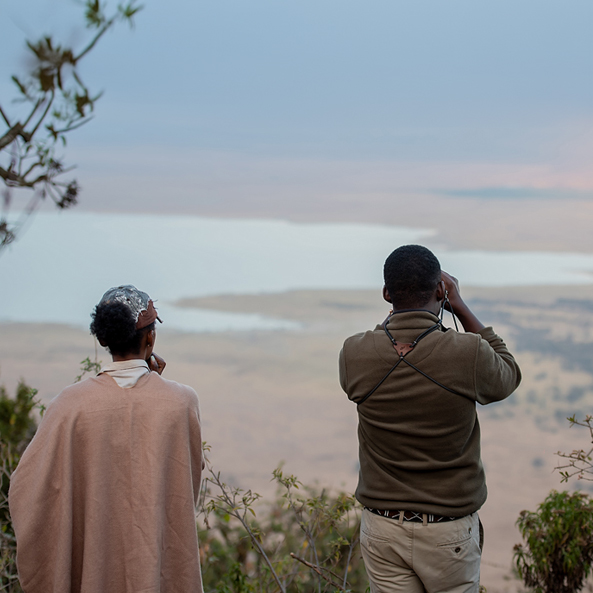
(452, 288)
(456, 305)
(156, 363)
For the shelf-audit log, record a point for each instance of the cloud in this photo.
(518, 193)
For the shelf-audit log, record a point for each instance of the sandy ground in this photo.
(271, 397)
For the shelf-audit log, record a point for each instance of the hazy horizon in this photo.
(310, 110)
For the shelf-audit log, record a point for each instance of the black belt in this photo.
(412, 516)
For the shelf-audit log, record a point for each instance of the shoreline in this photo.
(459, 222)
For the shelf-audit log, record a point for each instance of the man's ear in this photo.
(386, 295)
(440, 291)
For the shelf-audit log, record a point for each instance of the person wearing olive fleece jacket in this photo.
(421, 479)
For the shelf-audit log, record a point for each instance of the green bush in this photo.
(17, 427)
(558, 549)
(304, 540)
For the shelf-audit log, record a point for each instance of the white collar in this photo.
(126, 373)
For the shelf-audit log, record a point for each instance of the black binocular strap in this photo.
(407, 348)
(379, 383)
(437, 382)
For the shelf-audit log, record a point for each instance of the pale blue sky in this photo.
(280, 87)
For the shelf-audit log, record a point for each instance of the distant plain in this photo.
(469, 119)
(273, 396)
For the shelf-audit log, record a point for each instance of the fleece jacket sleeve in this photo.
(497, 371)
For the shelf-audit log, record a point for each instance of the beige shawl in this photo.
(103, 499)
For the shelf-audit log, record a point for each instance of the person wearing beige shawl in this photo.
(103, 499)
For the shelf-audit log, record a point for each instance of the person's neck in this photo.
(124, 357)
(433, 306)
(413, 309)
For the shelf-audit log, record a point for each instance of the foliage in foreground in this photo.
(17, 427)
(53, 101)
(305, 540)
(579, 462)
(558, 549)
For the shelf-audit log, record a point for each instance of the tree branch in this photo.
(5, 118)
(318, 570)
(55, 107)
(45, 112)
(75, 126)
(35, 108)
(19, 181)
(11, 135)
(8, 175)
(93, 42)
(30, 169)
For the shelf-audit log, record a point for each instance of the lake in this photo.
(59, 268)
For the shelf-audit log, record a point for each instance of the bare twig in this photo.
(353, 544)
(50, 102)
(74, 127)
(94, 41)
(579, 462)
(5, 117)
(234, 509)
(319, 571)
(33, 111)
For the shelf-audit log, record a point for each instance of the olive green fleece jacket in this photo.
(419, 445)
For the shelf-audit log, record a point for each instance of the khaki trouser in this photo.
(409, 557)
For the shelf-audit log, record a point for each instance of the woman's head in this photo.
(123, 319)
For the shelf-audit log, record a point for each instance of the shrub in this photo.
(17, 427)
(558, 549)
(305, 540)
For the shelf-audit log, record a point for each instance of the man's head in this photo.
(412, 276)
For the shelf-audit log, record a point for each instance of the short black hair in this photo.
(411, 273)
(115, 327)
